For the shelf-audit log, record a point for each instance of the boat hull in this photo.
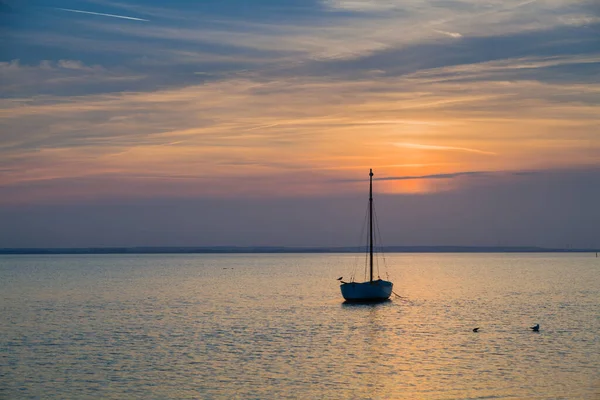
(374, 291)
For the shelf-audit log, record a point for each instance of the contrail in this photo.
(104, 15)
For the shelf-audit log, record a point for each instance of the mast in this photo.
(371, 225)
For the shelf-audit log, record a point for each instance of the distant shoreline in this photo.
(288, 250)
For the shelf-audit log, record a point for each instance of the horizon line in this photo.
(285, 249)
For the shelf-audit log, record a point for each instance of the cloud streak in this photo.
(441, 148)
(455, 35)
(435, 176)
(102, 14)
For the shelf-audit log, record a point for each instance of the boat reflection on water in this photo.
(371, 303)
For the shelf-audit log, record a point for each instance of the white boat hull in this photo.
(378, 290)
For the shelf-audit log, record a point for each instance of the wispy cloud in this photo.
(56, 77)
(451, 175)
(103, 14)
(211, 92)
(383, 25)
(434, 176)
(441, 148)
(271, 126)
(451, 34)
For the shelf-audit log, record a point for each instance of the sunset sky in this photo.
(229, 122)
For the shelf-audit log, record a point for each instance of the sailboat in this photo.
(374, 290)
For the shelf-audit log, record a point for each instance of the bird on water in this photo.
(475, 329)
(536, 328)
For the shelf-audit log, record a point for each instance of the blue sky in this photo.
(131, 102)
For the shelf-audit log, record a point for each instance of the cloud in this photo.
(271, 40)
(102, 14)
(273, 125)
(74, 64)
(325, 35)
(320, 93)
(552, 209)
(434, 176)
(440, 148)
(61, 77)
(542, 54)
(451, 34)
(452, 175)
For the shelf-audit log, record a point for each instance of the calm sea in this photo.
(274, 327)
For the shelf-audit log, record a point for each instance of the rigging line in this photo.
(363, 234)
(375, 240)
(378, 235)
(381, 244)
(360, 240)
(374, 246)
(377, 249)
(366, 252)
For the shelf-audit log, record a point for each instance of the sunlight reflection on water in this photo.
(274, 326)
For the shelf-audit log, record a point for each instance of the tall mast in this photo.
(371, 225)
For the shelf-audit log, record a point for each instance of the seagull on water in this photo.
(536, 328)
(475, 329)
